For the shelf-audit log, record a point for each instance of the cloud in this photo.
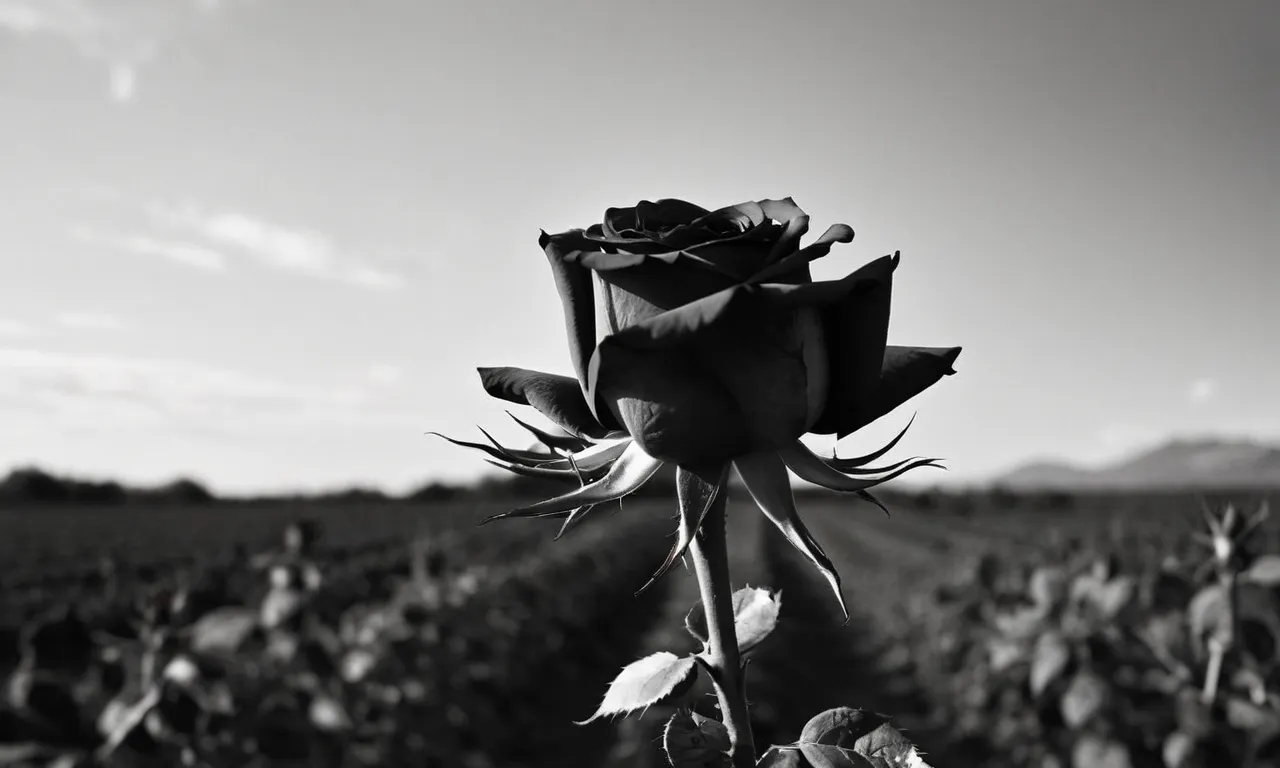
(302, 251)
(167, 392)
(89, 321)
(187, 254)
(1202, 390)
(16, 329)
(123, 37)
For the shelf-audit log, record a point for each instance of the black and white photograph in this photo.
(650, 384)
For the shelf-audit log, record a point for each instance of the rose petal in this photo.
(665, 214)
(732, 308)
(857, 328)
(559, 398)
(794, 267)
(671, 405)
(637, 287)
(576, 296)
(906, 372)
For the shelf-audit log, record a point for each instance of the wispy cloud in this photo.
(187, 254)
(89, 321)
(176, 392)
(123, 37)
(1202, 390)
(16, 329)
(299, 250)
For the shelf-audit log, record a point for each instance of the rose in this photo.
(701, 335)
(700, 339)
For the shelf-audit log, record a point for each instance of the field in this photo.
(433, 642)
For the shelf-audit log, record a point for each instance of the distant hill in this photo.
(1176, 465)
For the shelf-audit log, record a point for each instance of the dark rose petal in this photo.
(652, 394)
(559, 398)
(576, 296)
(794, 267)
(906, 372)
(666, 214)
(857, 329)
(762, 344)
(728, 310)
(647, 289)
(729, 222)
(795, 225)
(619, 220)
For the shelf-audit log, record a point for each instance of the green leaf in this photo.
(755, 615)
(1095, 752)
(693, 741)
(1265, 571)
(1051, 657)
(646, 682)
(1084, 698)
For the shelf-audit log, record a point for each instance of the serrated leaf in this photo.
(865, 734)
(1052, 654)
(693, 741)
(1094, 752)
(841, 726)
(646, 682)
(1265, 571)
(755, 615)
(223, 630)
(886, 747)
(830, 756)
(1083, 699)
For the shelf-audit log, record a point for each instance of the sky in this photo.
(265, 243)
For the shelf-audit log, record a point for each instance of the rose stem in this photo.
(710, 553)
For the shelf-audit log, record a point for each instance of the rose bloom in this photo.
(699, 338)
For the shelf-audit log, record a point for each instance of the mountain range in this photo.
(1178, 464)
